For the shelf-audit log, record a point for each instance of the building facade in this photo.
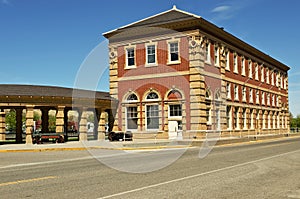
(175, 73)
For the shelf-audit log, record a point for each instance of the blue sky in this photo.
(40, 37)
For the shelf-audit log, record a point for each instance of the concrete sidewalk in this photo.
(139, 144)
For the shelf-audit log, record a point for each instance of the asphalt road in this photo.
(263, 170)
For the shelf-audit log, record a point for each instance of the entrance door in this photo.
(173, 129)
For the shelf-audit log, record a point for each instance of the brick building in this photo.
(176, 72)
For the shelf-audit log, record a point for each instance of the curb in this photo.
(181, 144)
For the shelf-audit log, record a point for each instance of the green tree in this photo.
(10, 120)
(52, 123)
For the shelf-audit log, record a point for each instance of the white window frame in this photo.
(155, 55)
(235, 63)
(272, 78)
(250, 95)
(257, 97)
(126, 120)
(236, 92)
(216, 55)
(207, 53)
(250, 69)
(256, 72)
(267, 76)
(252, 119)
(229, 118)
(263, 74)
(134, 57)
(174, 117)
(268, 99)
(263, 98)
(169, 52)
(228, 91)
(245, 118)
(243, 67)
(227, 67)
(146, 114)
(237, 118)
(244, 93)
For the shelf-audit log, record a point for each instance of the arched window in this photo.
(132, 97)
(174, 95)
(152, 96)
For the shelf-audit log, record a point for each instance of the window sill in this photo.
(173, 62)
(151, 65)
(129, 67)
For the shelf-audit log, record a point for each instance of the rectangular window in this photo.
(262, 74)
(235, 63)
(250, 95)
(152, 117)
(175, 110)
(228, 91)
(267, 76)
(216, 56)
(208, 115)
(236, 92)
(207, 52)
(151, 54)
(228, 117)
(250, 69)
(263, 98)
(227, 61)
(244, 94)
(243, 67)
(174, 51)
(236, 118)
(252, 119)
(272, 78)
(256, 72)
(268, 99)
(245, 118)
(257, 97)
(130, 57)
(132, 118)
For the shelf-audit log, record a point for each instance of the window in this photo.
(151, 54)
(243, 67)
(250, 69)
(267, 76)
(262, 74)
(235, 63)
(174, 52)
(208, 115)
(250, 95)
(152, 117)
(175, 110)
(132, 113)
(268, 99)
(228, 91)
(216, 56)
(244, 93)
(244, 118)
(152, 96)
(132, 118)
(263, 98)
(236, 92)
(130, 57)
(236, 118)
(252, 119)
(228, 117)
(272, 78)
(256, 72)
(207, 52)
(227, 67)
(257, 97)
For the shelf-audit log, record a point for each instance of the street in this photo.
(251, 170)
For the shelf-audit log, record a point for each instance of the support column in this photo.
(101, 126)
(19, 125)
(60, 120)
(29, 123)
(45, 120)
(82, 126)
(2, 125)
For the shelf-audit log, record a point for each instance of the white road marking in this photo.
(197, 175)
